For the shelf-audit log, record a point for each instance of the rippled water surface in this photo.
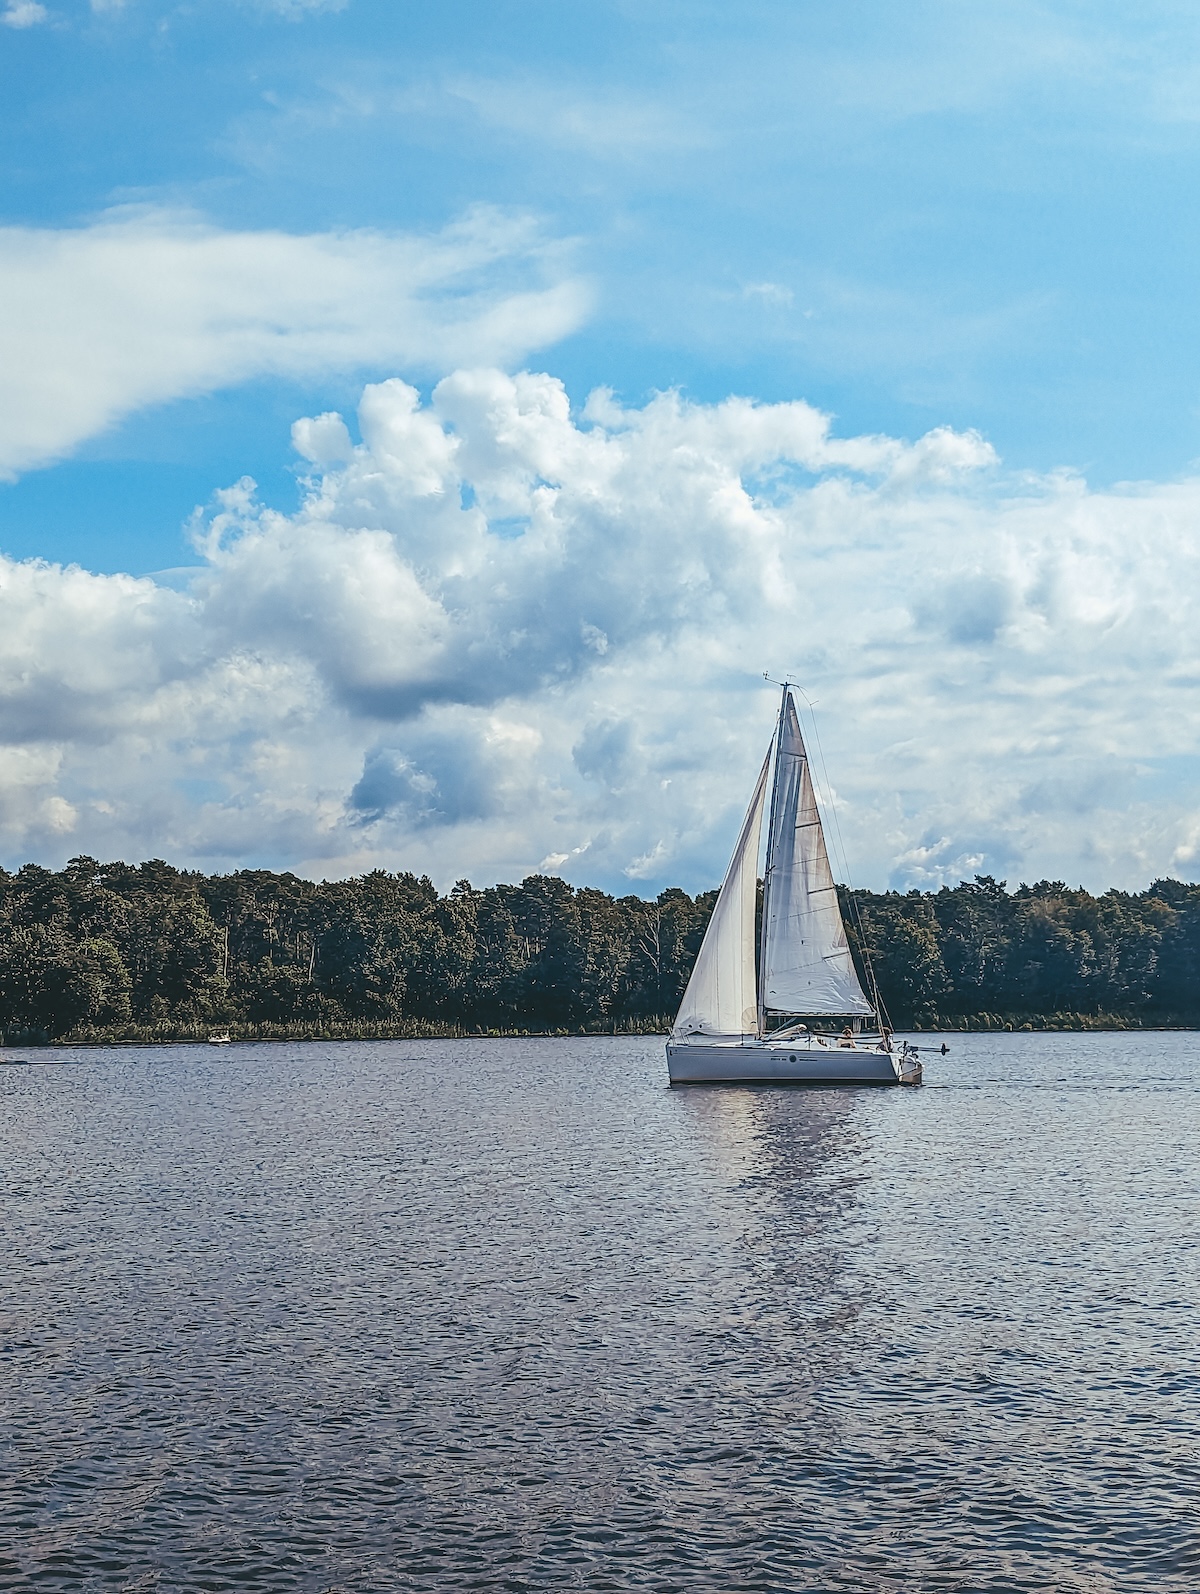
(505, 1314)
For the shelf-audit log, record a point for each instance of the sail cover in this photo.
(721, 998)
(807, 967)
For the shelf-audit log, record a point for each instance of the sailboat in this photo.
(769, 1020)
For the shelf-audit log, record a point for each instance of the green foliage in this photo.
(979, 949)
(149, 951)
(50, 983)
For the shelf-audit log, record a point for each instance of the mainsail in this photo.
(720, 998)
(806, 963)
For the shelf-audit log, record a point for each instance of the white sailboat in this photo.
(769, 1021)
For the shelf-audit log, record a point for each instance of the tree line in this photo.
(117, 951)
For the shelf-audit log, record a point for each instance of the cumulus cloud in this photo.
(500, 635)
(145, 306)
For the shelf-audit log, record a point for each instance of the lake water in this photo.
(513, 1315)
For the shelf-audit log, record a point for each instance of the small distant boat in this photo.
(223, 1039)
(768, 1020)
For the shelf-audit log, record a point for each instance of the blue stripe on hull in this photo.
(692, 1064)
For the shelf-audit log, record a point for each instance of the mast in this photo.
(767, 866)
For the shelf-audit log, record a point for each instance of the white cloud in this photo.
(772, 293)
(291, 10)
(294, 10)
(23, 14)
(144, 306)
(499, 635)
(571, 116)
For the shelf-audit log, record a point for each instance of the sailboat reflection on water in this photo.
(771, 1023)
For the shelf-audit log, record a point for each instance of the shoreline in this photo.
(271, 1035)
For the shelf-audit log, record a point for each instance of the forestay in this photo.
(721, 997)
(807, 968)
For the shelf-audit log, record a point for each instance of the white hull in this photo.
(765, 1062)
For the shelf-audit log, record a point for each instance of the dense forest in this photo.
(114, 951)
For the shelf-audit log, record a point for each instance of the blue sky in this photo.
(223, 216)
(941, 213)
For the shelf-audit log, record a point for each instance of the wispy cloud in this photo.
(560, 122)
(23, 14)
(772, 293)
(572, 117)
(144, 306)
(296, 10)
(290, 10)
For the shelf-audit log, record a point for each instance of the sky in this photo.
(422, 427)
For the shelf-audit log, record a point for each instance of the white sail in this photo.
(721, 998)
(806, 962)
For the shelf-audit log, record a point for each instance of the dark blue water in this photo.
(513, 1315)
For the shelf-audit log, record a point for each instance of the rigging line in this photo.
(845, 865)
